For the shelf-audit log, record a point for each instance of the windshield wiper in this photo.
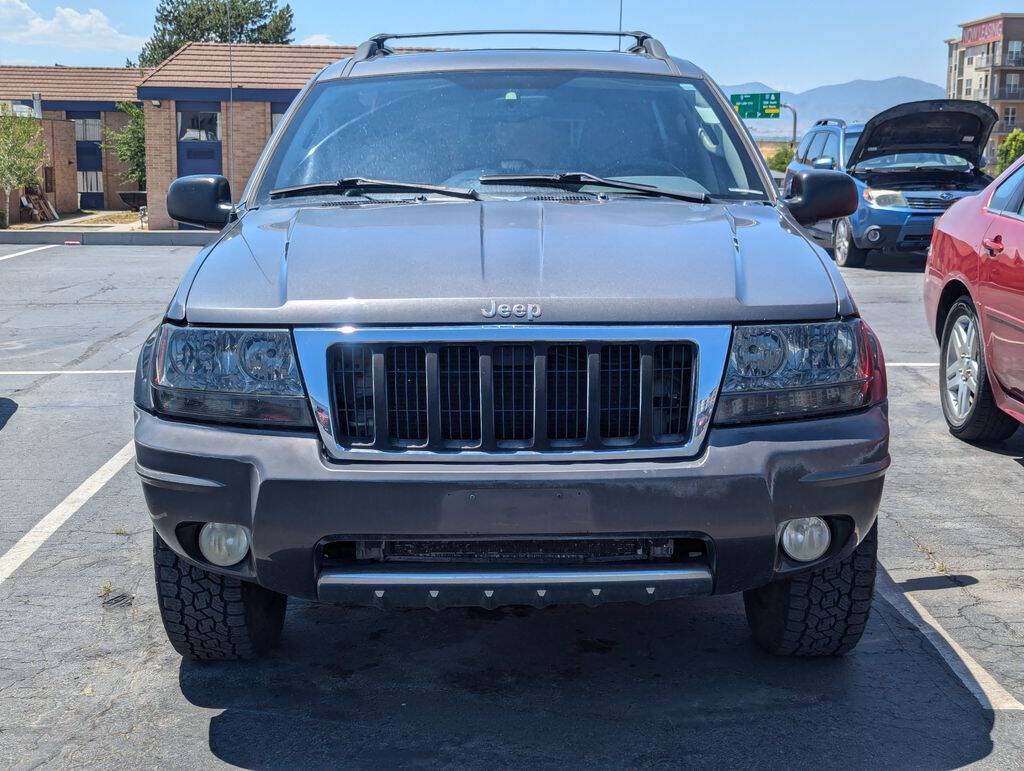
(577, 179)
(380, 185)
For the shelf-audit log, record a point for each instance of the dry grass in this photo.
(113, 218)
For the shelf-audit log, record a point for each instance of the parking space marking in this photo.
(13, 372)
(911, 364)
(27, 251)
(973, 675)
(48, 525)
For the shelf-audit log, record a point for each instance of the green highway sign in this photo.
(757, 105)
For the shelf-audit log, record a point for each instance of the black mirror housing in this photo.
(201, 199)
(822, 195)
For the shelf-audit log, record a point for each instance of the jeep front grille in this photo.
(502, 397)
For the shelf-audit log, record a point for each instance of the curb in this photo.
(111, 238)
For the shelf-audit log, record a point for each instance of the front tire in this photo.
(964, 388)
(844, 249)
(214, 617)
(818, 613)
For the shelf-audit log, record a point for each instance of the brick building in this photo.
(196, 123)
(59, 172)
(87, 97)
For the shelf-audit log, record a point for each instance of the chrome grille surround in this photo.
(710, 346)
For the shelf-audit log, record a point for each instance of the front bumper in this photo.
(902, 230)
(732, 497)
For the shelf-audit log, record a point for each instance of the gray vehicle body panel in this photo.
(440, 262)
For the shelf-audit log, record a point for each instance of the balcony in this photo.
(1005, 127)
(1008, 93)
(999, 59)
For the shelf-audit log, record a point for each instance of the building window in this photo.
(198, 126)
(967, 86)
(48, 181)
(90, 182)
(275, 119)
(88, 130)
(1009, 117)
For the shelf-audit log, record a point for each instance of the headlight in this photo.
(786, 371)
(232, 375)
(885, 199)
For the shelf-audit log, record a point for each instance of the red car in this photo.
(974, 298)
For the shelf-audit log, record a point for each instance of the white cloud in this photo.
(319, 39)
(68, 28)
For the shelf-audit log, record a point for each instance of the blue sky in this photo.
(789, 44)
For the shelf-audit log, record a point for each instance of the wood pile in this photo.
(37, 208)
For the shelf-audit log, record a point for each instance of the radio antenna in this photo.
(231, 101)
(620, 25)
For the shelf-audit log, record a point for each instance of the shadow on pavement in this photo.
(675, 684)
(896, 262)
(929, 583)
(7, 408)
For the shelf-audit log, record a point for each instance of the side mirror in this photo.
(825, 162)
(201, 199)
(821, 195)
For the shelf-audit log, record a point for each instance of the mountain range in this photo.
(855, 101)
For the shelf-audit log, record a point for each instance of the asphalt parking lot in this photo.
(87, 677)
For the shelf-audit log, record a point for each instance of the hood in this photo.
(446, 262)
(953, 126)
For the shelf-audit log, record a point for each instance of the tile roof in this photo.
(255, 65)
(99, 84)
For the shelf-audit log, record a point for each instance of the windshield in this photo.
(452, 128)
(899, 161)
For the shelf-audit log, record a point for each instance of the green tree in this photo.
(1010, 150)
(129, 144)
(780, 159)
(22, 151)
(185, 21)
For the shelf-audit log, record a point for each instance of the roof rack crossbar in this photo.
(826, 121)
(377, 45)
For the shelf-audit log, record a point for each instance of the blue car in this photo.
(910, 163)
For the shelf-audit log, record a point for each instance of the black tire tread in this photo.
(818, 613)
(214, 617)
(987, 423)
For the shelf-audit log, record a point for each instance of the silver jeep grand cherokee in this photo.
(494, 327)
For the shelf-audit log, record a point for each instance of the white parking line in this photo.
(973, 675)
(26, 251)
(67, 372)
(64, 510)
(911, 364)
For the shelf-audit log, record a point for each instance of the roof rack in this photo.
(826, 121)
(643, 42)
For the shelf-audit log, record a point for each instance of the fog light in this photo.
(223, 544)
(806, 539)
(874, 235)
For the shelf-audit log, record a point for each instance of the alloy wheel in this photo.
(841, 245)
(963, 356)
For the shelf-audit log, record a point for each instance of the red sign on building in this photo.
(985, 32)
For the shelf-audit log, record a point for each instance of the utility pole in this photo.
(792, 109)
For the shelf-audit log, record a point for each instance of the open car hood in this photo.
(953, 126)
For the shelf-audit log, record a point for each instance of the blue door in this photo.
(89, 157)
(199, 148)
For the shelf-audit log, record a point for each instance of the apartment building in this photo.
(986, 63)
